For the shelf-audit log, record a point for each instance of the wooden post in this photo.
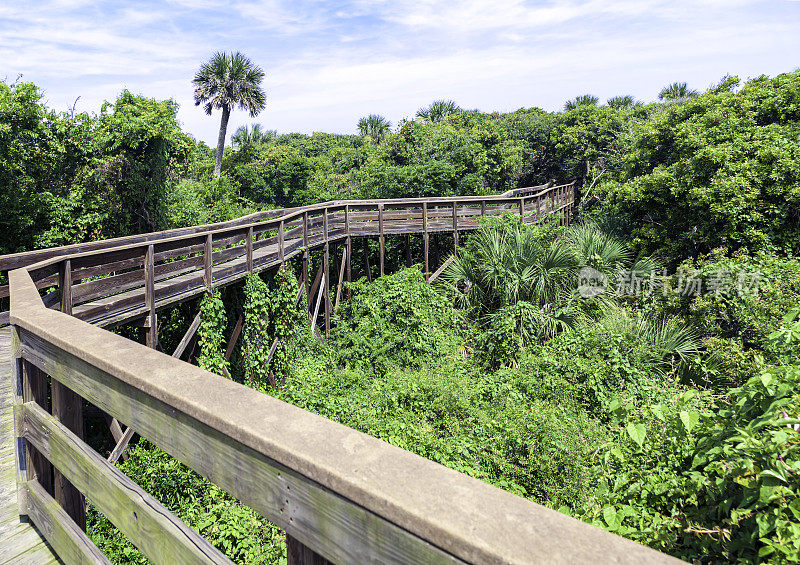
(66, 286)
(34, 388)
(380, 235)
(347, 219)
(366, 260)
(299, 554)
(234, 337)
(305, 258)
(207, 263)
(187, 337)
(250, 250)
(327, 274)
(349, 247)
(455, 227)
(149, 297)
(522, 207)
(341, 279)
(408, 250)
(280, 242)
(483, 208)
(68, 409)
(425, 237)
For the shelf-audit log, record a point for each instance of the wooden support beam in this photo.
(65, 280)
(522, 207)
(116, 431)
(299, 554)
(341, 278)
(441, 269)
(207, 257)
(68, 409)
(455, 227)
(149, 297)
(327, 288)
(408, 250)
(250, 250)
(187, 337)
(366, 260)
(380, 235)
(35, 389)
(121, 446)
(280, 242)
(315, 286)
(349, 247)
(234, 337)
(316, 308)
(425, 237)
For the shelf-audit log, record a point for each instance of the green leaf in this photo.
(689, 419)
(637, 433)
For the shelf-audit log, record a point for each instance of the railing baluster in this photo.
(280, 242)
(522, 207)
(250, 250)
(207, 262)
(380, 235)
(149, 297)
(455, 227)
(425, 238)
(65, 280)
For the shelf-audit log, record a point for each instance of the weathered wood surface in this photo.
(143, 520)
(20, 542)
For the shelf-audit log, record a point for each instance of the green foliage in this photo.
(284, 320)
(375, 127)
(398, 320)
(211, 336)
(582, 100)
(711, 482)
(255, 336)
(241, 534)
(438, 111)
(721, 169)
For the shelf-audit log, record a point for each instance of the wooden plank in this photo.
(35, 389)
(121, 446)
(234, 337)
(150, 298)
(299, 554)
(66, 286)
(68, 540)
(207, 261)
(250, 250)
(341, 278)
(441, 269)
(381, 236)
(68, 408)
(319, 518)
(144, 521)
(187, 337)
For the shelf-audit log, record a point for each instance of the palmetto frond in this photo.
(231, 80)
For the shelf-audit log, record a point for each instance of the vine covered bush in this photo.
(211, 337)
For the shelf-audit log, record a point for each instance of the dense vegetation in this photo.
(665, 409)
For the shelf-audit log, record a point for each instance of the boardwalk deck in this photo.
(20, 542)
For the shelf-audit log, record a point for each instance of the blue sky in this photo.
(329, 63)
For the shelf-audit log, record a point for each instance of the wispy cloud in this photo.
(328, 63)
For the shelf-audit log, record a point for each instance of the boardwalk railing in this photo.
(183, 262)
(340, 495)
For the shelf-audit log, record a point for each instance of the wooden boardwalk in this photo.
(341, 496)
(20, 542)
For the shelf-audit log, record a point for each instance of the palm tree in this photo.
(676, 92)
(582, 100)
(623, 102)
(374, 126)
(253, 135)
(438, 111)
(226, 81)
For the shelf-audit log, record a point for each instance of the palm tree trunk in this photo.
(223, 128)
